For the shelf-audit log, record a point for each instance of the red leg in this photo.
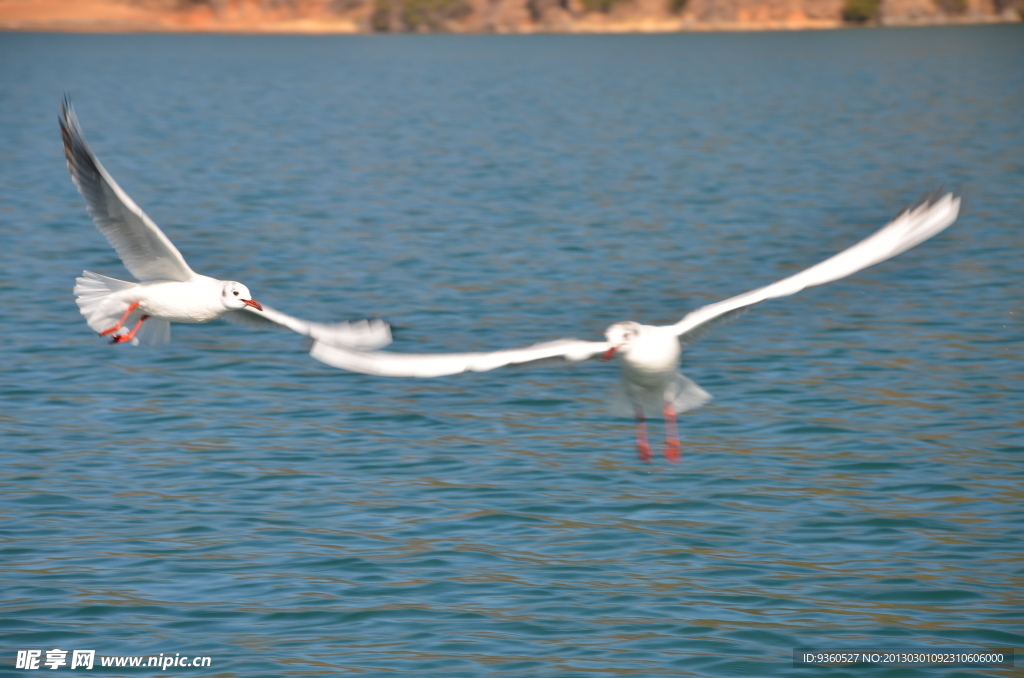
(120, 322)
(643, 448)
(672, 447)
(122, 338)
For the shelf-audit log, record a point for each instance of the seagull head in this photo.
(621, 336)
(236, 296)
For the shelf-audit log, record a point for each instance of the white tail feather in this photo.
(103, 301)
(681, 392)
(98, 299)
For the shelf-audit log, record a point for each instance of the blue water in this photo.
(855, 483)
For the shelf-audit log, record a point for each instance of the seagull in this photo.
(650, 354)
(168, 290)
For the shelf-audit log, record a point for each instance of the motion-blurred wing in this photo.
(909, 229)
(140, 243)
(389, 364)
(362, 334)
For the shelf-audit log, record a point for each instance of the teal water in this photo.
(855, 483)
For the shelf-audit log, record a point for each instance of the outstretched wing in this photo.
(388, 364)
(140, 243)
(362, 334)
(907, 230)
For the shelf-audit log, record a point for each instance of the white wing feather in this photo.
(909, 229)
(363, 334)
(387, 364)
(146, 252)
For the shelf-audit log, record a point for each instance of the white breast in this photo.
(652, 357)
(197, 301)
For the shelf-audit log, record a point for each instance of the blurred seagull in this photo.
(650, 354)
(169, 290)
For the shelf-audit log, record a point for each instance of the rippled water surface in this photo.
(855, 483)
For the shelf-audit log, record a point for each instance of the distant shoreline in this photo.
(366, 17)
(278, 29)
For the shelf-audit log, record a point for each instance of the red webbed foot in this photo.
(672, 447)
(124, 338)
(120, 322)
(643, 448)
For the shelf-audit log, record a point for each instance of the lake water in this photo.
(855, 483)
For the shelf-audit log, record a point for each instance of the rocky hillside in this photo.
(502, 16)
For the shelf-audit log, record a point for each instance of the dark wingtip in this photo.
(80, 159)
(68, 125)
(933, 196)
(928, 198)
(67, 112)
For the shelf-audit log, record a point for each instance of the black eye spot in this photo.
(235, 293)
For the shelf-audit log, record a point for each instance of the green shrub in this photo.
(860, 11)
(604, 6)
(380, 20)
(416, 15)
(433, 14)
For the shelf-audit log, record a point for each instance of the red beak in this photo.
(252, 302)
(609, 353)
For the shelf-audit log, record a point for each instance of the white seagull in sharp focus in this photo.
(650, 354)
(168, 291)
